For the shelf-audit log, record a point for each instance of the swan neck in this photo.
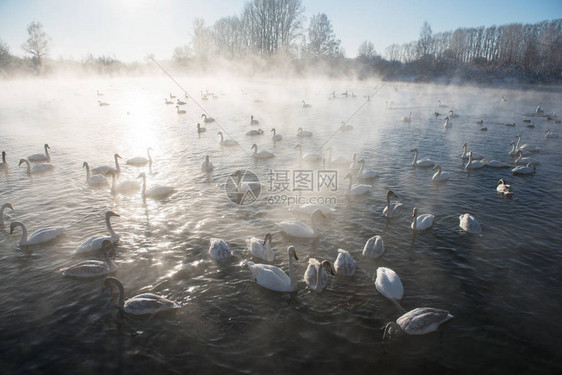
(108, 225)
(518, 142)
(117, 168)
(519, 156)
(87, 171)
(415, 222)
(143, 185)
(120, 295)
(28, 167)
(23, 239)
(415, 157)
(47, 153)
(292, 276)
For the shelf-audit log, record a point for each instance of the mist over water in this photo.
(502, 287)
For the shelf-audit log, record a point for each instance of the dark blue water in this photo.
(502, 287)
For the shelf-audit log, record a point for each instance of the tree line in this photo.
(272, 33)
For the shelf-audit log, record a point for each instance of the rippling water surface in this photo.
(503, 287)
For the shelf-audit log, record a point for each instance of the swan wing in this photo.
(92, 244)
(345, 264)
(423, 320)
(297, 229)
(270, 277)
(89, 269)
(388, 283)
(374, 247)
(219, 249)
(148, 303)
(44, 235)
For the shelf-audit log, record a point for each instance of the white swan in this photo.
(41, 157)
(254, 132)
(105, 169)
(513, 150)
(262, 249)
(95, 243)
(393, 209)
(539, 110)
(309, 156)
(469, 224)
(374, 247)
(142, 304)
(503, 189)
(102, 104)
(276, 137)
(366, 173)
(179, 102)
(495, 164)
(388, 283)
(345, 265)
(37, 168)
(524, 170)
(315, 275)
(338, 160)
(207, 165)
(520, 160)
(474, 164)
(303, 133)
(141, 161)
(226, 142)
(124, 187)
(93, 268)
(309, 208)
(218, 249)
(354, 166)
(274, 278)
(439, 176)
(357, 189)
(201, 129)
(99, 93)
(525, 147)
(422, 163)
(421, 222)
(172, 96)
(155, 192)
(261, 154)
(4, 206)
(3, 164)
(166, 101)
(207, 119)
(447, 125)
(253, 121)
(408, 118)
(442, 105)
(417, 322)
(305, 105)
(37, 237)
(475, 155)
(550, 134)
(180, 111)
(95, 180)
(300, 229)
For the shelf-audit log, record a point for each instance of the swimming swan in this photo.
(422, 163)
(37, 168)
(303, 133)
(207, 165)
(105, 169)
(394, 209)
(95, 243)
(475, 155)
(469, 224)
(315, 275)
(4, 206)
(180, 111)
(254, 132)
(261, 154)
(309, 156)
(474, 164)
(95, 180)
(366, 173)
(374, 247)
(3, 164)
(357, 189)
(93, 268)
(201, 129)
(37, 237)
(503, 189)
(421, 222)
(345, 265)
(418, 321)
(124, 187)
(253, 121)
(218, 249)
(276, 137)
(207, 119)
(142, 304)
(439, 176)
(41, 157)
(261, 249)
(388, 283)
(524, 170)
(226, 142)
(300, 229)
(274, 278)
(141, 161)
(155, 192)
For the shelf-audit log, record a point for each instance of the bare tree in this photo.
(367, 50)
(38, 42)
(5, 56)
(202, 40)
(425, 42)
(321, 37)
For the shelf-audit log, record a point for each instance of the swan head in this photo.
(85, 164)
(354, 157)
(500, 182)
(292, 252)
(273, 130)
(203, 115)
(298, 146)
(389, 330)
(7, 205)
(207, 158)
(219, 133)
(299, 129)
(117, 156)
(465, 145)
(415, 149)
(142, 175)
(414, 212)
(251, 117)
(328, 267)
(255, 146)
(437, 166)
(13, 226)
(22, 161)
(267, 239)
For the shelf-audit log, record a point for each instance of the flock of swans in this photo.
(387, 282)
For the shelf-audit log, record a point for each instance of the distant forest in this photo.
(269, 36)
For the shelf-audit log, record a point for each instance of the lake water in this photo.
(502, 287)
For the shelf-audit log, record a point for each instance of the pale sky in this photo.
(130, 29)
